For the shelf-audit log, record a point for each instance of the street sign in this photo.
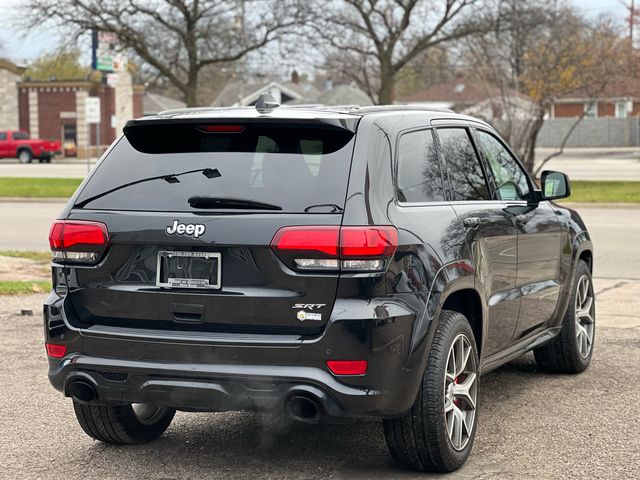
(107, 54)
(112, 79)
(92, 110)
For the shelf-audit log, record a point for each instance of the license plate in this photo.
(189, 269)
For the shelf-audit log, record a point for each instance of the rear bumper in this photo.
(212, 387)
(226, 374)
(47, 154)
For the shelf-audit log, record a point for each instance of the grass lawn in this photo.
(24, 287)
(604, 192)
(582, 191)
(38, 187)
(36, 256)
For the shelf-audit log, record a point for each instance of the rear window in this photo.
(293, 167)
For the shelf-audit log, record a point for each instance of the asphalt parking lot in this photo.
(532, 424)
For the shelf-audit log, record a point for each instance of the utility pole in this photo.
(632, 20)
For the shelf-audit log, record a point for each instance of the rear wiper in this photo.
(198, 201)
(324, 208)
(169, 178)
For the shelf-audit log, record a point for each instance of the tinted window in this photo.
(465, 173)
(20, 135)
(292, 167)
(419, 178)
(3, 135)
(511, 181)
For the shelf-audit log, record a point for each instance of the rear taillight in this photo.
(332, 248)
(78, 241)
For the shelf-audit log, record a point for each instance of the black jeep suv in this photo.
(329, 263)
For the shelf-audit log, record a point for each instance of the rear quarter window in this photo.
(418, 178)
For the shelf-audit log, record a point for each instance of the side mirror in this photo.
(555, 185)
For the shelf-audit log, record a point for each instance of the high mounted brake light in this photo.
(78, 241)
(366, 248)
(221, 128)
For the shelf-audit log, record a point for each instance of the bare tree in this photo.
(371, 41)
(536, 52)
(177, 39)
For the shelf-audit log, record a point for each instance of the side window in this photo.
(511, 181)
(465, 172)
(3, 135)
(20, 136)
(419, 178)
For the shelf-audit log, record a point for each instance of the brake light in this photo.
(55, 350)
(332, 247)
(347, 367)
(310, 239)
(221, 128)
(78, 241)
(368, 242)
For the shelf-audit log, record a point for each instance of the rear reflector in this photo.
(56, 351)
(347, 367)
(332, 247)
(78, 241)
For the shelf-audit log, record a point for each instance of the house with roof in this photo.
(619, 98)
(292, 92)
(242, 93)
(154, 103)
(473, 97)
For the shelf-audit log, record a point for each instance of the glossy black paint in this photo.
(506, 265)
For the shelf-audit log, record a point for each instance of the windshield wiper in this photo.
(169, 178)
(198, 201)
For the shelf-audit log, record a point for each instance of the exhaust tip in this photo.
(82, 391)
(303, 408)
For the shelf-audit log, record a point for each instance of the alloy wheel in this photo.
(585, 322)
(460, 392)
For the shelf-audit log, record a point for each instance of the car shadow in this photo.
(261, 445)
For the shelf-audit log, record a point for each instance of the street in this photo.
(612, 229)
(532, 424)
(579, 164)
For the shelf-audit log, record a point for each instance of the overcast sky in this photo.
(15, 45)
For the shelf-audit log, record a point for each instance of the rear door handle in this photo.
(471, 222)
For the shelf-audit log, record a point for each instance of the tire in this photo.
(121, 425)
(420, 439)
(25, 156)
(571, 350)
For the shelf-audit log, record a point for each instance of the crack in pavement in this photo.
(613, 287)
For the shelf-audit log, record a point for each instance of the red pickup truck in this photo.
(17, 144)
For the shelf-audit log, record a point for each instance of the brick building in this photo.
(619, 99)
(55, 110)
(9, 76)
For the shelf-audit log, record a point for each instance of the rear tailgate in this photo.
(300, 169)
(258, 293)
